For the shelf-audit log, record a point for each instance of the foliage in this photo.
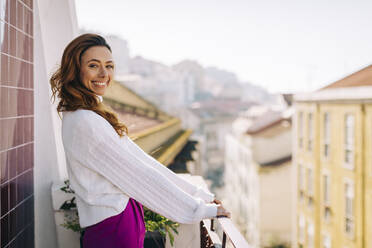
(153, 221)
(70, 212)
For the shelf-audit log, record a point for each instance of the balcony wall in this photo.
(16, 123)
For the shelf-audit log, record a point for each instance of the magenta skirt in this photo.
(125, 230)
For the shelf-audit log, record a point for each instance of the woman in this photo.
(110, 174)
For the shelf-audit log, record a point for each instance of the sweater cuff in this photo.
(203, 194)
(211, 210)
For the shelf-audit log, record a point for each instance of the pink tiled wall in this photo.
(16, 123)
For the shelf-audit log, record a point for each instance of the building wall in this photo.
(51, 36)
(16, 124)
(278, 144)
(308, 202)
(275, 204)
(339, 173)
(368, 175)
(241, 178)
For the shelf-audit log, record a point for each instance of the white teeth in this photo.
(99, 83)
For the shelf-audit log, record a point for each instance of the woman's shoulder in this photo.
(83, 117)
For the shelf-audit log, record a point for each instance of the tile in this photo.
(22, 75)
(21, 41)
(29, 157)
(21, 102)
(29, 211)
(21, 239)
(28, 21)
(4, 230)
(10, 132)
(27, 129)
(4, 199)
(4, 43)
(4, 99)
(30, 238)
(31, 55)
(20, 16)
(12, 99)
(13, 12)
(20, 188)
(3, 102)
(29, 102)
(12, 41)
(4, 69)
(4, 142)
(29, 183)
(4, 169)
(12, 163)
(12, 224)
(14, 66)
(12, 194)
(20, 159)
(32, 129)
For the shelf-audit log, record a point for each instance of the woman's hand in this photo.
(221, 211)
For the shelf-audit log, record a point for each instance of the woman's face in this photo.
(97, 69)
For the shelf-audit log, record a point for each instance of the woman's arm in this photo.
(180, 182)
(95, 144)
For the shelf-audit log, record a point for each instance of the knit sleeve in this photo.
(96, 145)
(180, 182)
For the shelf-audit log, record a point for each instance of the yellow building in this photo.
(333, 164)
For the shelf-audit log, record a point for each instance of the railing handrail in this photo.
(229, 231)
(235, 237)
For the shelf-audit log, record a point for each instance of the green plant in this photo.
(153, 221)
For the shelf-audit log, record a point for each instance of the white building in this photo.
(258, 169)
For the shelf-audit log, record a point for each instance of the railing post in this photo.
(224, 240)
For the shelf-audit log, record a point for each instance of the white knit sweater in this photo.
(105, 170)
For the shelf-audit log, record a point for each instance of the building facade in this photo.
(258, 169)
(332, 158)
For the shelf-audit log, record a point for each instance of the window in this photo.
(300, 129)
(310, 235)
(301, 229)
(310, 190)
(301, 183)
(310, 132)
(349, 139)
(349, 198)
(326, 196)
(326, 241)
(327, 135)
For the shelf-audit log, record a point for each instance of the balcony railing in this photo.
(209, 237)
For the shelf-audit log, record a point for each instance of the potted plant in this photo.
(157, 226)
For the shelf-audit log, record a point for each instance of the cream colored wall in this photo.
(368, 175)
(275, 203)
(308, 159)
(340, 174)
(278, 146)
(334, 166)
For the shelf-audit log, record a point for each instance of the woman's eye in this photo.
(110, 66)
(93, 66)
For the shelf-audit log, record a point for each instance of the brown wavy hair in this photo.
(67, 86)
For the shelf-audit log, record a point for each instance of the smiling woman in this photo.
(111, 176)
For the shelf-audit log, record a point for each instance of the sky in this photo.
(286, 46)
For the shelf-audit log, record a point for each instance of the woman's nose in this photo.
(103, 72)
